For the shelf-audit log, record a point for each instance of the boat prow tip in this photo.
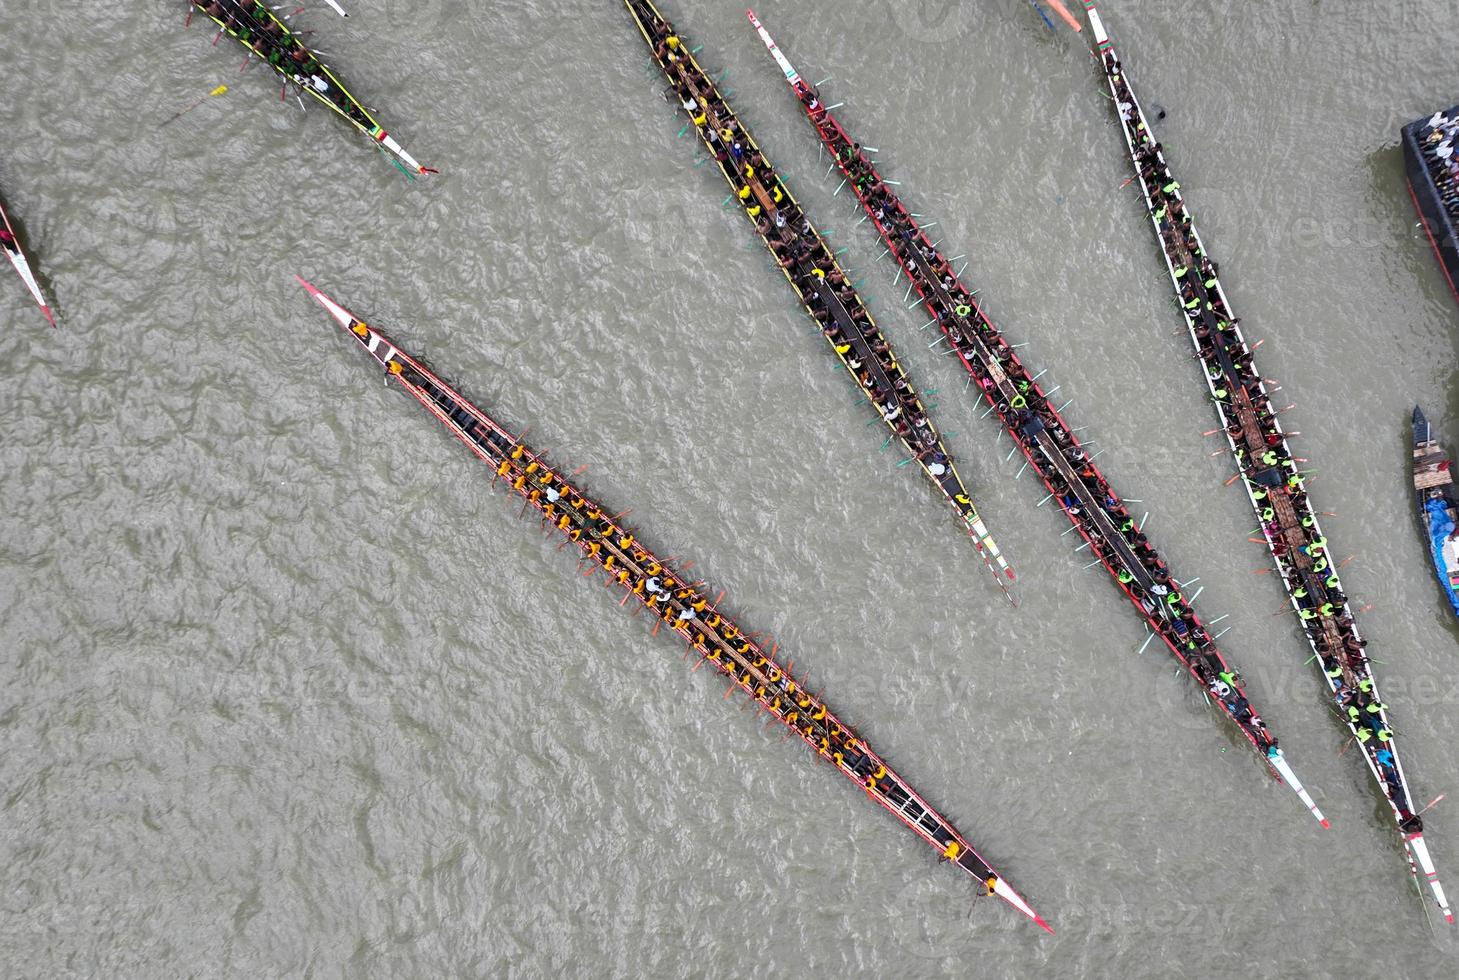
(345, 317)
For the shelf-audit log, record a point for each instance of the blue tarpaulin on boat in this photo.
(1440, 527)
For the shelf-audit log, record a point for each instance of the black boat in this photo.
(1428, 162)
(1433, 488)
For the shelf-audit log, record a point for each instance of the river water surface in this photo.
(288, 691)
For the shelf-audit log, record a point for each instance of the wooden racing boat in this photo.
(1271, 474)
(1110, 530)
(822, 286)
(672, 599)
(256, 27)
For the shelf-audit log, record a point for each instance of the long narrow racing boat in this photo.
(1109, 529)
(1271, 475)
(676, 603)
(1438, 510)
(10, 245)
(253, 25)
(810, 266)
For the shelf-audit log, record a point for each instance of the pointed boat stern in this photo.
(27, 277)
(375, 344)
(1096, 24)
(1420, 426)
(345, 317)
(1418, 850)
(1284, 769)
(1005, 891)
(791, 75)
(408, 161)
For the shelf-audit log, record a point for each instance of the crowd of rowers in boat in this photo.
(250, 22)
(677, 603)
(806, 260)
(1272, 474)
(1437, 145)
(1028, 413)
(1019, 401)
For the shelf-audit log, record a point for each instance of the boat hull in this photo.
(1438, 510)
(21, 264)
(1111, 532)
(1437, 223)
(677, 604)
(314, 78)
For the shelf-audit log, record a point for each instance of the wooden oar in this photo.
(1431, 803)
(217, 91)
(1063, 12)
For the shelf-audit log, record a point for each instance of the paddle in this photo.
(1063, 12)
(1431, 804)
(217, 91)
